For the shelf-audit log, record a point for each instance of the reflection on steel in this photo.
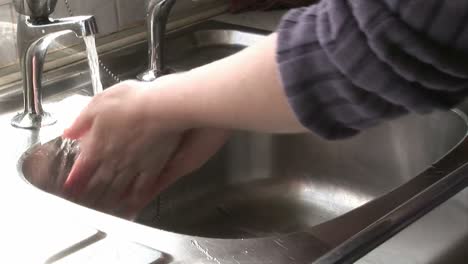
(34, 35)
(36, 9)
(158, 13)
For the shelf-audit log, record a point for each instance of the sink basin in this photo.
(261, 186)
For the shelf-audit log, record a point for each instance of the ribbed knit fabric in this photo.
(245, 5)
(347, 65)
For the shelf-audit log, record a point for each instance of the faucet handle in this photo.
(158, 13)
(36, 9)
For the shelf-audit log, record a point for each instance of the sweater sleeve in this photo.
(347, 65)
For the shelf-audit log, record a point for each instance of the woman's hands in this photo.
(125, 146)
(137, 138)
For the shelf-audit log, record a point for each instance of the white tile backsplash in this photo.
(111, 16)
(130, 12)
(105, 12)
(268, 20)
(7, 35)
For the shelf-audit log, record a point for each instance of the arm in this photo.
(343, 65)
(242, 91)
(349, 65)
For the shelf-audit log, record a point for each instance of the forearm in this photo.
(242, 91)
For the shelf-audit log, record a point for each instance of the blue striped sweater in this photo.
(347, 65)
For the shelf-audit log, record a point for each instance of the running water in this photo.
(93, 61)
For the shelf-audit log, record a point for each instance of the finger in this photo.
(81, 125)
(79, 176)
(131, 213)
(144, 189)
(134, 201)
(186, 159)
(152, 165)
(87, 163)
(195, 150)
(96, 185)
(115, 191)
(123, 209)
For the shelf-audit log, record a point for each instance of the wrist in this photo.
(169, 100)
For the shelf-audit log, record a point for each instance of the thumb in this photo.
(196, 148)
(80, 126)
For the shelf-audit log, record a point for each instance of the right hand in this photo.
(129, 153)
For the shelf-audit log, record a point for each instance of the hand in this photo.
(197, 146)
(125, 147)
(122, 151)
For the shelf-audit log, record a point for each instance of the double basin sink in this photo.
(277, 198)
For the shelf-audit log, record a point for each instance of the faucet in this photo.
(35, 31)
(158, 13)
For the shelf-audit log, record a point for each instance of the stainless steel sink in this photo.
(265, 185)
(308, 193)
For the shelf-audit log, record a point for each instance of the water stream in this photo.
(93, 61)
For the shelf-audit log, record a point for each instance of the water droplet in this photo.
(204, 251)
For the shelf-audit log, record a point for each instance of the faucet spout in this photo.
(82, 26)
(34, 37)
(158, 13)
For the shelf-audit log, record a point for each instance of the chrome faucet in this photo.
(158, 13)
(35, 31)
